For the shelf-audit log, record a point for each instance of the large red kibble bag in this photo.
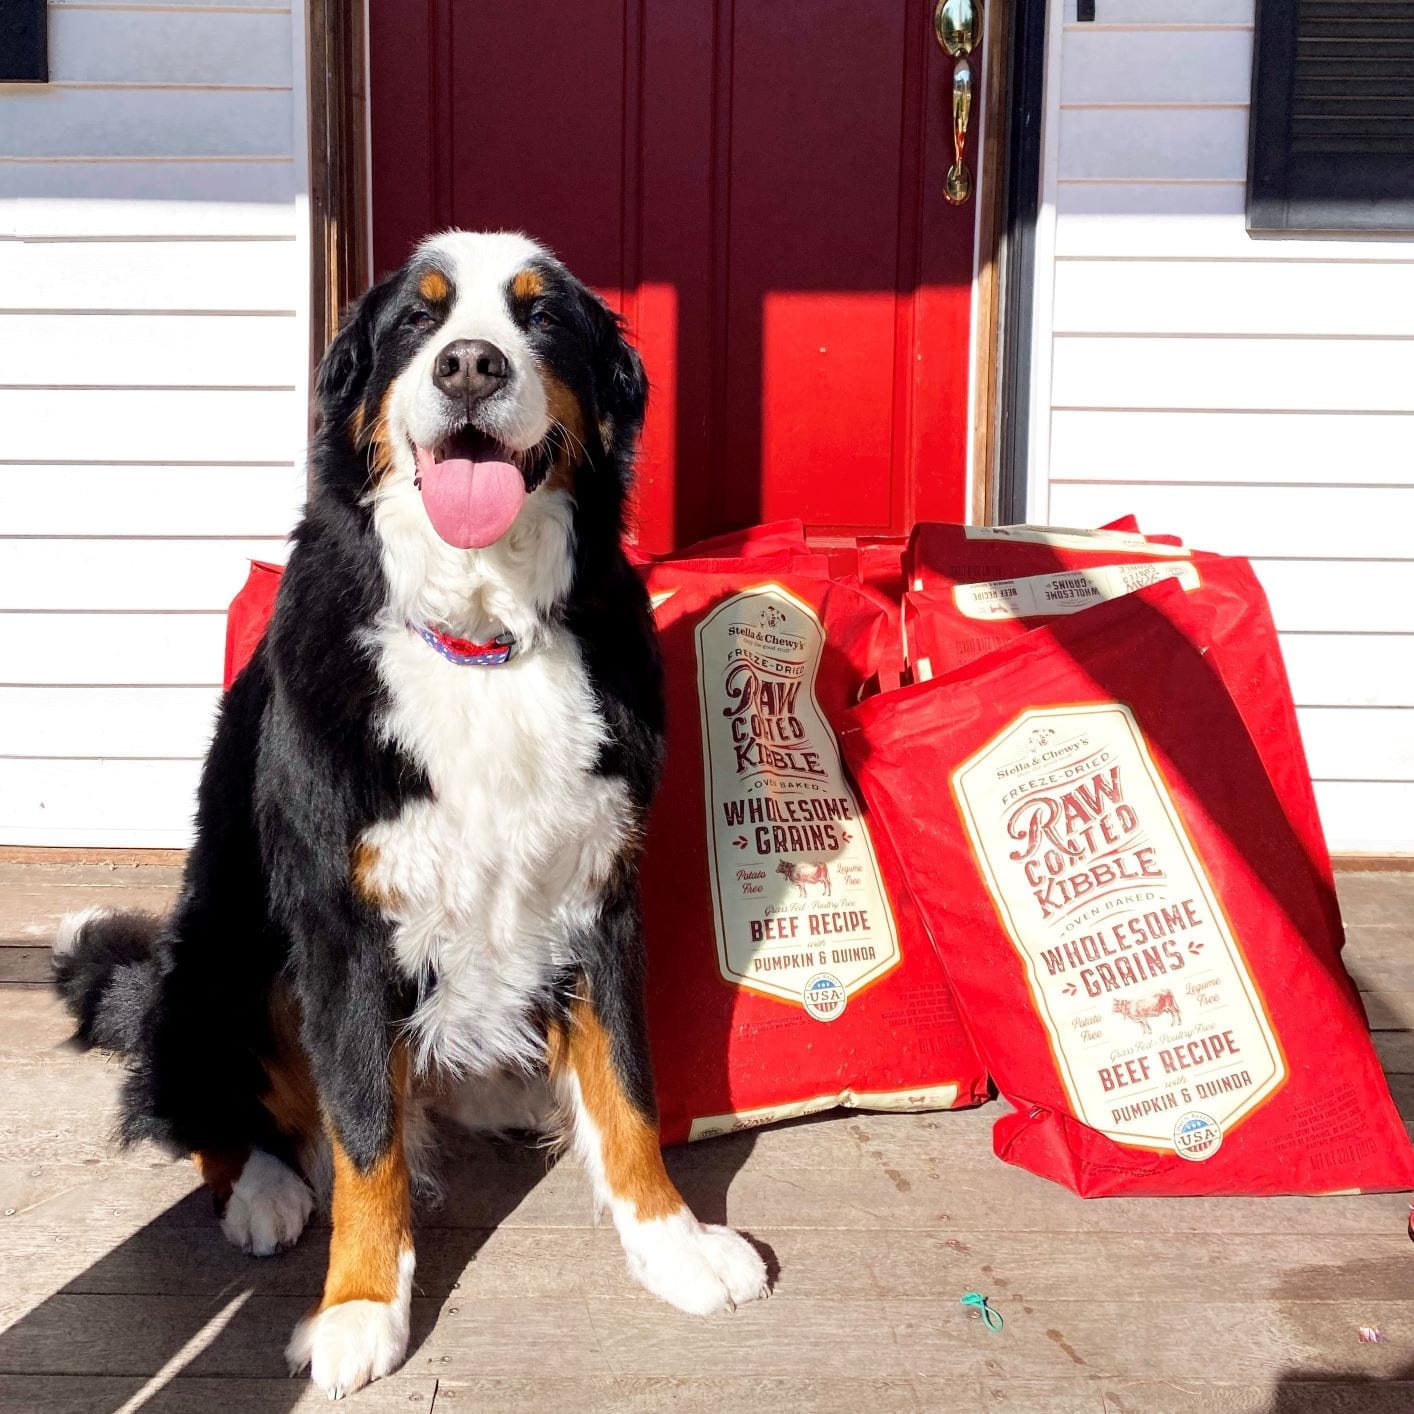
(1132, 926)
(789, 970)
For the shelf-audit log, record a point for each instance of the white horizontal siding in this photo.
(1137, 144)
(145, 501)
(1171, 14)
(1352, 375)
(198, 5)
(1113, 65)
(148, 122)
(1350, 669)
(170, 275)
(142, 350)
(1237, 445)
(1288, 522)
(194, 46)
(1362, 817)
(1339, 596)
(1187, 220)
(1359, 743)
(163, 424)
(1255, 395)
(153, 376)
(143, 198)
(163, 576)
(64, 801)
(142, 649)
(1205, 297)
(136, 723)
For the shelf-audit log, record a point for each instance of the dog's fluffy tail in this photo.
(105, 968)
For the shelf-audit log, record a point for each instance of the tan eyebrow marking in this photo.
(433, 286)
(528, 284)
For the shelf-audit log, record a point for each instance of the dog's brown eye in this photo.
(420, 319)
(540, 318)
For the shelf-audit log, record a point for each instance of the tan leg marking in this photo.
(628, 1140)
(372, 1214)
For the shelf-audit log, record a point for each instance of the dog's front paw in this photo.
(268, 1207)
(347, 1346)
(698, 1268)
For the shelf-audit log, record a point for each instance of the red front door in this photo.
(758, 186)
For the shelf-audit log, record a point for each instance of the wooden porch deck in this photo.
(117, 1291)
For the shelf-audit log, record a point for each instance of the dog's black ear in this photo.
(620, 384)
(347, 364)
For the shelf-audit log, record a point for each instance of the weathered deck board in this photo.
(186, 1394)
(34, 897)
(117, 1288)
(835, 1394)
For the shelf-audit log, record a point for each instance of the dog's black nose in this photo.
(468, 370)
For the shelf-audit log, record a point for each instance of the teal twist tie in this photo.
(992, 1319)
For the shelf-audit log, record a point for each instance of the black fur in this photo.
(108, 982)
(296, 773)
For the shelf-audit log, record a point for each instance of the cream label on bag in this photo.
(1157, 1029)
(800, 908)
(1074, 538)
(1064, 592)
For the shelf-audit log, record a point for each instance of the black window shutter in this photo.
(1331, 146)
(24, 41)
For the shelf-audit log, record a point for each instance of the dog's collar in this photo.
(465, 651)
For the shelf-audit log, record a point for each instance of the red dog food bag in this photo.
(1132, 926)
(789, 970)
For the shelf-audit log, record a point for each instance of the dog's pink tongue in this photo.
(471, 504)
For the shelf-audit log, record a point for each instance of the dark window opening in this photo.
(24, 41)
(1332, 136)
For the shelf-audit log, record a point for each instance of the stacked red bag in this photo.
(1108, 823)
(789, 971)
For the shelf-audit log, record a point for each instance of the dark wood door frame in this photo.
(338, 166)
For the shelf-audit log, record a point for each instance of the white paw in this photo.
(347, 1346)
(268, 1207)
(698, 1268)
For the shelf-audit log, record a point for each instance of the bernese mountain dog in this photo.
(414, 878)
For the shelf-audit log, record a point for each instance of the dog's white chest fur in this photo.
(489, 881)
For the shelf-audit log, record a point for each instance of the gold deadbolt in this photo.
(957, 26)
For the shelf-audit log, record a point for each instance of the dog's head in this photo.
(483, 374)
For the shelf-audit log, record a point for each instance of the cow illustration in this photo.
(1160, 1004)
(802, 874)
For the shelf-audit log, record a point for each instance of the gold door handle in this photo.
(958, 186)
(957, 25)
